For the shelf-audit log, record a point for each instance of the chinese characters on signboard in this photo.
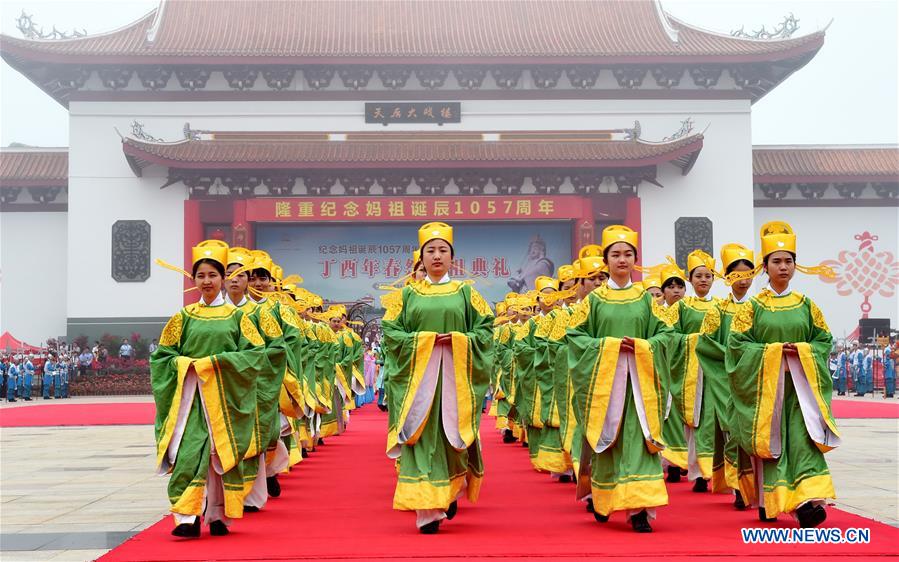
(416, 112)
(416, 209)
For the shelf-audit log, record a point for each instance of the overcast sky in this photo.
(846, 95)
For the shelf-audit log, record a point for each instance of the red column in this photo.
(632, 221)
(193, 235)
(241, 230)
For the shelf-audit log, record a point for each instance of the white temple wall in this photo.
(33, 269)
(103, 188)
(824, 233)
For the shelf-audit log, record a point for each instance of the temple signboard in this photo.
(438, 113)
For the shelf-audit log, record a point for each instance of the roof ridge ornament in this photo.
(784, 30)
(633, 134)
(157, 22)
(686, 127)
(26, 26)
(670, 30)
(137, 131)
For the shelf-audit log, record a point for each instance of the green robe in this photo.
(731, 465)
(435, 392)
(546, 443)
(782, 414)
(696, 384)
(221, 347)
(621, 407)
(503, 366)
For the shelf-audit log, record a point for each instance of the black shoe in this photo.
(810, 515)
(453, 509)
(321, 441)
(739, 504)
(524, 443)
(274, 488)
(673, 474)
(430, 529)
(11, 400)
(27, 399)
(565, 478)
(507, 436)
(188, 530)
(304, 453)
(700, 485)
(250, 509)
(589, 506)
(600, 518)
(889, 396)
(763, 516)
(640, 522)
(218, 529)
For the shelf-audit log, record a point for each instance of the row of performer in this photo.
(248, 381)
(614, 384)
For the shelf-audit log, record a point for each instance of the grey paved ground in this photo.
(72, 493)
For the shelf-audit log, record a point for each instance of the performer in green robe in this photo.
(617, 359)
(267, 422)
(439, 333)
(524, 380)
(563, 390)
(547, 454)
(698, 400)
(731, 465)
(502, 334)
(204, 375)
(777, 360)
(674, 457)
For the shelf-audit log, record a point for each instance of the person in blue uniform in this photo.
(61, 384)
(889, 370)
(49, 376)
(3, 367)
(858, 375)
(27, 370)
(842, 369)
(12, 380)
(868, 369)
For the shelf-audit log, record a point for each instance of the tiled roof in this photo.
(411, 150)
(334, 31)
(794, 163)
(33, 167)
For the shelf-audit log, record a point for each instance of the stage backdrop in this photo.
(347, 262)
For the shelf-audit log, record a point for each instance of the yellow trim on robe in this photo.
(162, 445)
(807, 359)
(191, 500)
(462, 368)
(651, 391)
(213, 391)
(785, 498)
(691, 381)
(766, 397)
(601, 383)
(424, 347)
(640, 492)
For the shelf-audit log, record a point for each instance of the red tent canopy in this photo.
(9, 343)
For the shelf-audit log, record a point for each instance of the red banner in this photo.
(367, 209)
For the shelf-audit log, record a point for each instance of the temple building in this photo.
(326, 132)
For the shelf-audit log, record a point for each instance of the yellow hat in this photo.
(544, 282)
(501, 307)
(214, 250)
(698, 258)
(588, 267)
(672, 271)
(565, 273)
(434, 230)
(731, 253)
(277, 272)
(239, 255)
(619, 233)
(777, 236)
(337, 310)
(651, 281)
(261, 260)
(590, 250)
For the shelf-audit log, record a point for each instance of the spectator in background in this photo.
(153, 345)
(102, 356)
(125, 350)
(96, 349)
(85, 361)
(50, 376)
(3, 367)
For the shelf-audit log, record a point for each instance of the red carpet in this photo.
(336, 506)
(849, 408)
(56, 414)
